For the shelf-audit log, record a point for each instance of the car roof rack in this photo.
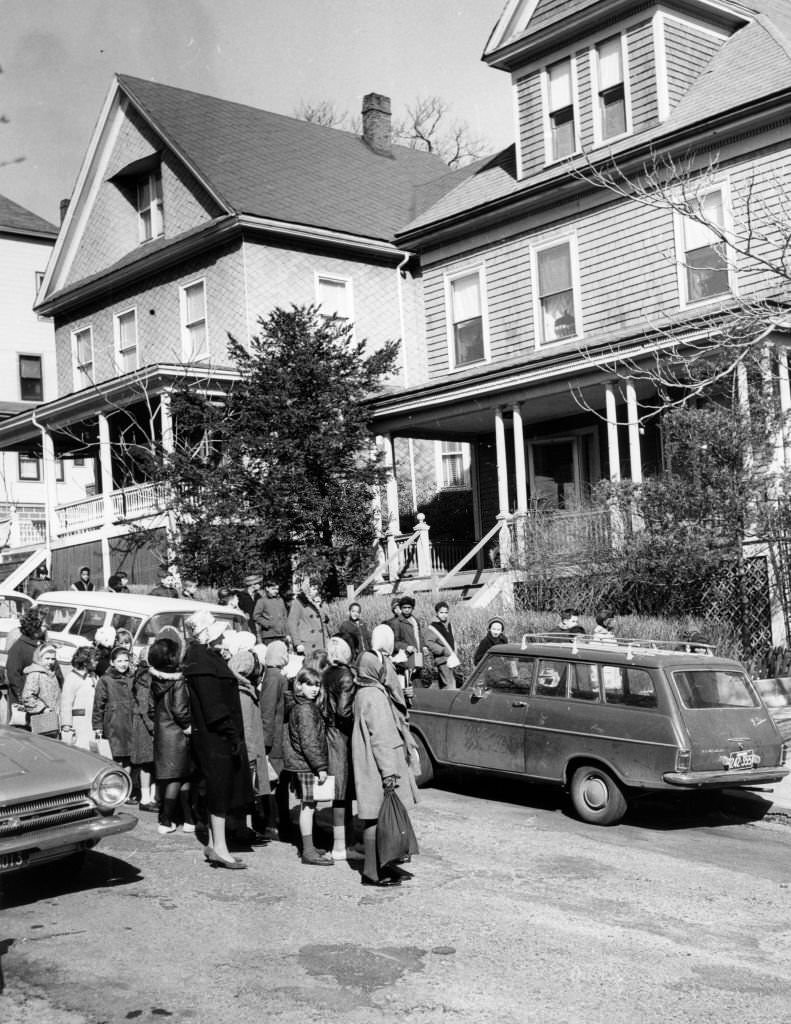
(580, 640)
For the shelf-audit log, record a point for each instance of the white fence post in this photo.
(423, 546)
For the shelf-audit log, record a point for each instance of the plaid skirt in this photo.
(302, 784)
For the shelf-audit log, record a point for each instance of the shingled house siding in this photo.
(642, 76)
(531, 123)
(688, 50)
(549, 11)
(760, 190)
(282, 277)
(111, 231)
(159, 317)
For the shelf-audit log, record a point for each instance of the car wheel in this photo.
(426, 772)
(596, 796)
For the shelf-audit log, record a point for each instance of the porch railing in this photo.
(126, 503)
(560, 535)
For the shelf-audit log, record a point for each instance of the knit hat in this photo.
(395, 603)
(242, 663)
(338, 651)
(407, 599)
(491, 622)
(382, 639)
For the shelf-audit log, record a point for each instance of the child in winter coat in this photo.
(307, 756)
(76, 700)
(112, 706)
(41, 691)
(495, 634)
(141, 751)
(273, 691)
(169, 709)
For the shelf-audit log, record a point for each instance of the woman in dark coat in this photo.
(307, 621)
(112, 706)
(339, 684)
(217, 733)
(169, 709)
(141, 752)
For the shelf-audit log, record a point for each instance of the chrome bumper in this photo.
(726, 779)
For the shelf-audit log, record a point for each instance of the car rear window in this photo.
(715, 688)
(123, 621)
(12, 607)
(87, 622)
(157, 622)
(57, 616)
(627, 685)
(775, 693)
(498, 672)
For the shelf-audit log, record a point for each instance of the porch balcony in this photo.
(126, 504)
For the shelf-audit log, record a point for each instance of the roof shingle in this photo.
(16, 219)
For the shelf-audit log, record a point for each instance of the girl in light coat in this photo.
(41, 692)
(76, 701)
(382, 748)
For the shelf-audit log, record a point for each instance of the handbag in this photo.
(102, 748)
(395, 837)
(45, 722)
(18, 716)
(324, 791)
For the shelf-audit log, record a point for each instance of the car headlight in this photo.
(111, 787)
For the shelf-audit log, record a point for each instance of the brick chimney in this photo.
(376, 122)
(64, 209)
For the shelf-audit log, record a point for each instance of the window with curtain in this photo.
(83, 358)
(126, 340)
(453, 474)
(31, 383)
(193, 309)
(612, 88)
(705, 265)
(150, 217)
(556, 293)
(560, 95)
(467, 319)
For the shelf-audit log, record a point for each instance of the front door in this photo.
(486, 724)
(555, 474)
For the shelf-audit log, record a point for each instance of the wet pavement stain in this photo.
(361, 968)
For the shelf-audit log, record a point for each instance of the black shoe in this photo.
(381, 883)
(394, 871)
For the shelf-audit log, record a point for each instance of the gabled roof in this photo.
(16, 220)
(753, 66)
(281, 168)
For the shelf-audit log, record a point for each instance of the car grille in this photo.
(33, 815)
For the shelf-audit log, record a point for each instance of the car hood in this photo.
(35, 767)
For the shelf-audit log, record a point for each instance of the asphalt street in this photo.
(517, 912)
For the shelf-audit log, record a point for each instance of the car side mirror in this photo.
(479, 691)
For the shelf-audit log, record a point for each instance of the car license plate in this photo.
(9, 861)
(741, 759)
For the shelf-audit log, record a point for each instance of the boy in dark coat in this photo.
(113, 706)
(442, 644)
(354, 632)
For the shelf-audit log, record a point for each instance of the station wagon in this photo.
(606, 721)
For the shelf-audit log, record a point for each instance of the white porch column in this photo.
(784, 392)
(613, 447)
(633, 420)
(50, 483)
(391, 488)
(106, 468)
(166, 423)
(519, 456)
(502, 461)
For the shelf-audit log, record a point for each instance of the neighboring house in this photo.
(191, 217)
(28, 378)
(534, 280)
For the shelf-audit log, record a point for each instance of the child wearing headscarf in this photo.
(41, 691)
(495, 634)
(339, 685)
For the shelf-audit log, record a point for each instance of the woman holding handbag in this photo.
(382, 749)
(41, 692)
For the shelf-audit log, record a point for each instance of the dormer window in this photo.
(611, 89)
(149, 205)
(562, 126)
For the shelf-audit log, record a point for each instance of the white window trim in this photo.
(28, 458)
(30, 355)
(78, 385)
(117, 337)
(449, 278)
(319, 276)
(593, 60)
(186, 353)
(466, 458)
(681, 268)
(538, 320)
(549, 158)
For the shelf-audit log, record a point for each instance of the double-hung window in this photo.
(611, 87)
(82, 342)
(31, 384)
(29, 467)
(704, 272)
(126, 340)
(452, 456)
(150, 219)
(194, 336)
(562, 126)
(466, 318)
(557, 302)
(334, 296)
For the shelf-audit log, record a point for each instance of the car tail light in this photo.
(683, 760)
(785, 754)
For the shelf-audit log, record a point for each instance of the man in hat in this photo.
(249, 596)
(408, 648)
